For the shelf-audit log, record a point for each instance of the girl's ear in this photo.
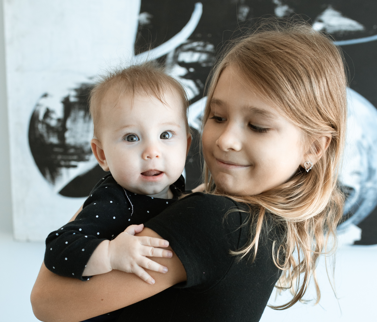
(99, 153)
(316, 150)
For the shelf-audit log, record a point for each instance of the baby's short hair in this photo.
(147, 78)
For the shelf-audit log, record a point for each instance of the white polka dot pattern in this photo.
(103, 223)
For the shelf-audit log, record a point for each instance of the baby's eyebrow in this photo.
(171, 123)
(125, 126)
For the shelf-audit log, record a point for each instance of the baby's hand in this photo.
(128, 253)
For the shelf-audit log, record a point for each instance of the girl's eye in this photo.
(258, 129)
(166, 135)
(131, 138)
(217, 119)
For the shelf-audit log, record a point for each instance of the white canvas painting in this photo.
(51, 53)
(54, 53)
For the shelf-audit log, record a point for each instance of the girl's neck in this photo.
(164, 194)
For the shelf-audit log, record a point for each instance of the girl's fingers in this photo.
(151, 265)
(155, 252)
(138, 271)
(154, 242)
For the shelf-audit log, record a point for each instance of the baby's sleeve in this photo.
(202, 230)
(103, 217)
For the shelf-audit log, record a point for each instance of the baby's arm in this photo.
(128, 253)
(104, 216)
(69, 248)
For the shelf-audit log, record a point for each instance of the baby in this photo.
(141, 135)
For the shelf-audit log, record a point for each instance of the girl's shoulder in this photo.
(216, 203)
(234, 215)
(217, 214)
(203, 230)
(198, 209)
(210, 199)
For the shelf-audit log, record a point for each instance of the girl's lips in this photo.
(228, 164)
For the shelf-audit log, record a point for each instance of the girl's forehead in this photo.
(232, 78)
(233, 89)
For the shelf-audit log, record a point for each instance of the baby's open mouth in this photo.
(151, 173)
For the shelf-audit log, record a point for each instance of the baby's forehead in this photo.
(127, 101)
(170, 104)
(118, 94)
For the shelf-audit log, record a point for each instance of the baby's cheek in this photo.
(178, 156)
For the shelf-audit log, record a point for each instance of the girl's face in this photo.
(248, 145)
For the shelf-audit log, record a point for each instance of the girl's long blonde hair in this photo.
(302, 72)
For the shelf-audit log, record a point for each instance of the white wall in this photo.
(5, 189)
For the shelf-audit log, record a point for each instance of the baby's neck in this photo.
(164, 194)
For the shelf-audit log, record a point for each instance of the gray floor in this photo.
(18, 269)
(354, 280)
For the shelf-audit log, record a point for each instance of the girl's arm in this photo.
(56, 298)
(76, 214)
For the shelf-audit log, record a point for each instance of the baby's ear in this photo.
(317, 148)
(189, 140)
(99, 153)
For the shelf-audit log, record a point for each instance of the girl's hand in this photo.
(129, 253)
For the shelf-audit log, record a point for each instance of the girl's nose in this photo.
(229, 139)
(151, 152)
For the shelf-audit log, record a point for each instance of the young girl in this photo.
(273, 135)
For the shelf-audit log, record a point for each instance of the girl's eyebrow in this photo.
(260, 111)
(250, 108)
(216, 101)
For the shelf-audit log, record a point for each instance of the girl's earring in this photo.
(308, 166)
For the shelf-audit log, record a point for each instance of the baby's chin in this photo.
(145, 188)
(148, 190)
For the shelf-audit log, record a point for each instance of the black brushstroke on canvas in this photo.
(56, 142)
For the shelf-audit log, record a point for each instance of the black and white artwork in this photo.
(51, 144)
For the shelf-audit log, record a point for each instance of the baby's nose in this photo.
(151, 152)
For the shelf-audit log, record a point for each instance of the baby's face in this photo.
(144, 140)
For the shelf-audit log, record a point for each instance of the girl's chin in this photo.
(236, 190)
(226, 189)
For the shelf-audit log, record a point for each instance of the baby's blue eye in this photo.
(131, 138)
(166, 135)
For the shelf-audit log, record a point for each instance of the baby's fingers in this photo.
(138, 271)
(155, 252)
(154, 242)
(151, 265)
(134, 229)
